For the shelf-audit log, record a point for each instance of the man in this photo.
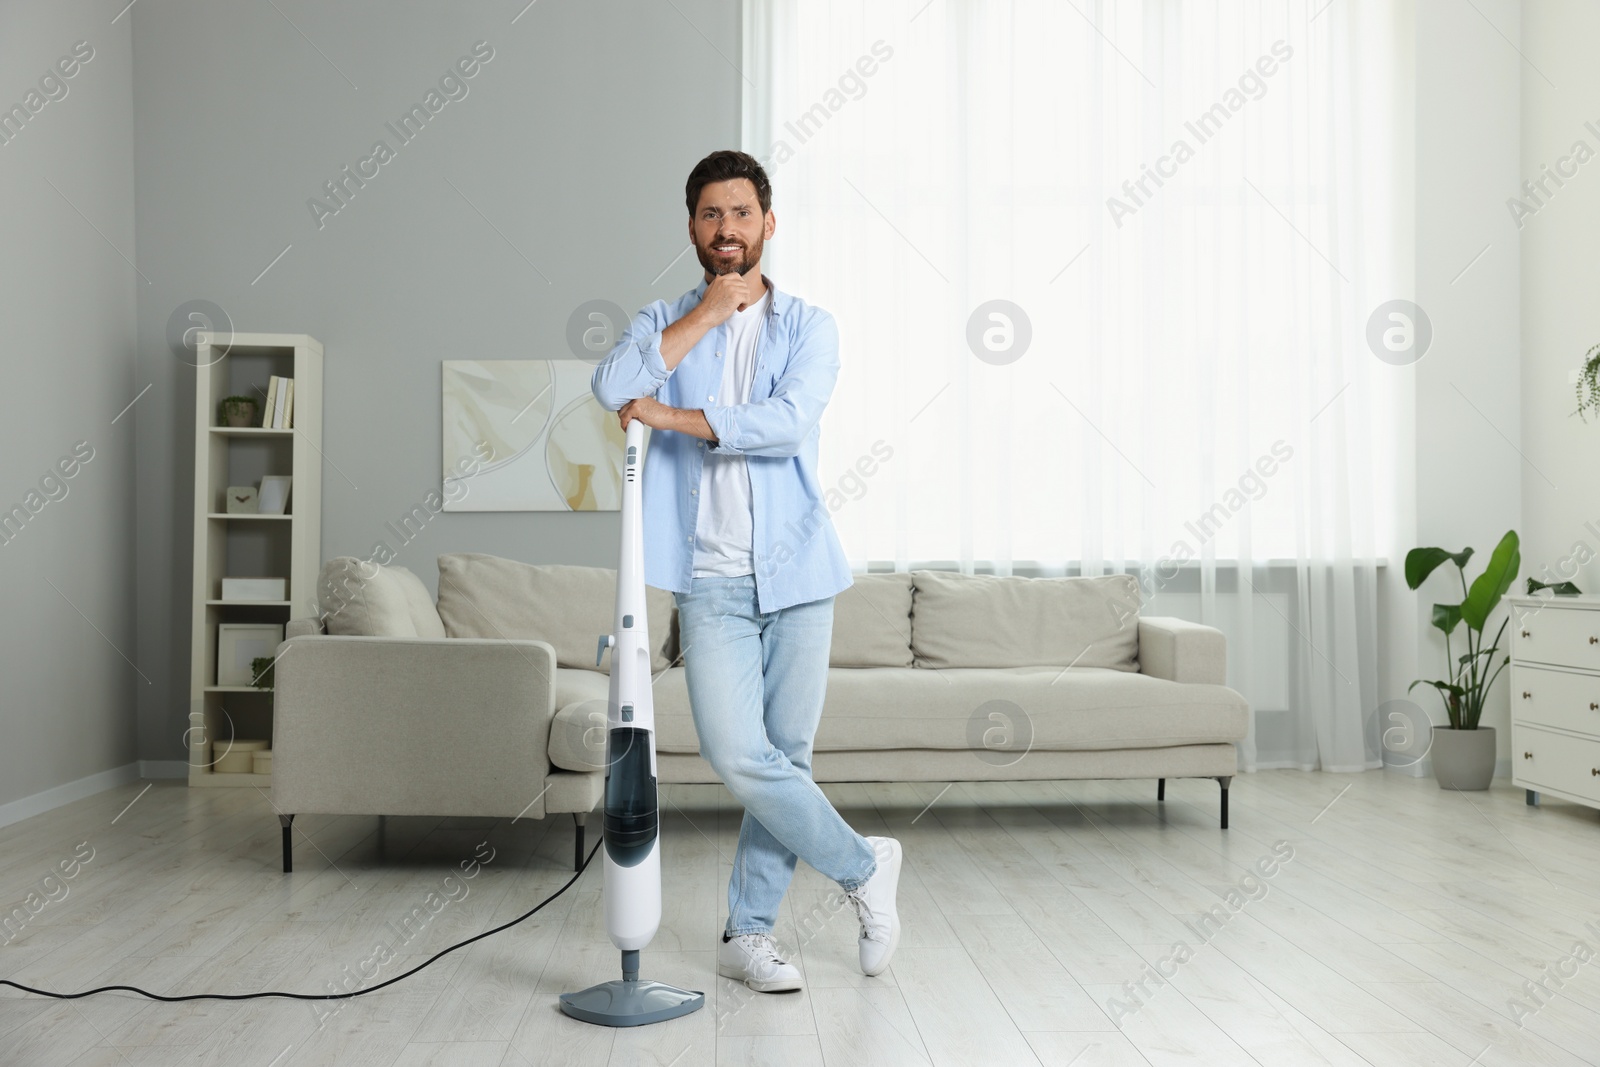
(736, 528)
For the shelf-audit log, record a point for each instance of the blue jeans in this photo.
(756, 683)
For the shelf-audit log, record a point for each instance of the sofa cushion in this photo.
(872, 622)
(998, 714)
(360, 598)
(578, 733)
(481, 595)
(985, 620)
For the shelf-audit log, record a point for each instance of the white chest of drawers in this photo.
(1555, 697)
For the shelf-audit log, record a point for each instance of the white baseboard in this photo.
(39, 803)
(163, 768)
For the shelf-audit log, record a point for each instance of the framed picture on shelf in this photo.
(274, 499)
(238, 643)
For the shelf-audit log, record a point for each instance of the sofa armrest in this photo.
(412, 725)
(304, 627)
(1182, 651)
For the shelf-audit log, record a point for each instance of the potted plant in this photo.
(1463, 752)
(239, 411)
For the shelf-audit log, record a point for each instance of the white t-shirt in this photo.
(722, 532)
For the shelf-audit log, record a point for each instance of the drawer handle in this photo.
(1526, 634)
(1527, 755)
(1593, 706)
(1595, 771)
(1526, 695)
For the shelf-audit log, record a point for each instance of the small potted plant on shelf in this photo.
(261, 671)
(1463, 752)
(239, 411)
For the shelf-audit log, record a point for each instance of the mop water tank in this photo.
(631, 812)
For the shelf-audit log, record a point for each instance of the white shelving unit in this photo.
(249, 546)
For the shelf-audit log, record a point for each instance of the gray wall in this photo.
(67, 301)
(573, 141)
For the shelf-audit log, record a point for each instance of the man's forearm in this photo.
(676, 342)
(678, 338)
(691, 421)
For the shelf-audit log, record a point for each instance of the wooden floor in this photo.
(1043, 923)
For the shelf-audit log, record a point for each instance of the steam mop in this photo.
(631, 830)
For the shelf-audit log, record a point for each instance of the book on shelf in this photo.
(279, 412)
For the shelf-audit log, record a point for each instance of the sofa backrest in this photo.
(937, 619)
(872, 622)
(361, 598)
(920, 618)
(481, 595)
(985, 620)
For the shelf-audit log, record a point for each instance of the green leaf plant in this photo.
(1470, 677)
(1588, 384)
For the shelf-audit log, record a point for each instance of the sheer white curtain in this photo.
(1103, 273)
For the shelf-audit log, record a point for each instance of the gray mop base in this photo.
(623, 1003)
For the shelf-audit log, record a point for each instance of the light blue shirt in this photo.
(795, 550)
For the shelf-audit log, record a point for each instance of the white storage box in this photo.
(235, 757)
(255, 589)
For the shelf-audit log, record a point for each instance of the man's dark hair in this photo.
(725, 166)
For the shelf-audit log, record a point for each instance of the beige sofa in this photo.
(489, 701)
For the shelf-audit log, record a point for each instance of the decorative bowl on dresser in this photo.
(1555, 697)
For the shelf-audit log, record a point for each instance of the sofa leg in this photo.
(1161, 789)
(578, 819)
(286, 821)
(1223, 782)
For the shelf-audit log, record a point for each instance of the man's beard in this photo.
(740, 263)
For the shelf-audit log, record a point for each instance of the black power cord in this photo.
(309, 996)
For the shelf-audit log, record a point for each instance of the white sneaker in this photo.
(754, 960)
(875, 908)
